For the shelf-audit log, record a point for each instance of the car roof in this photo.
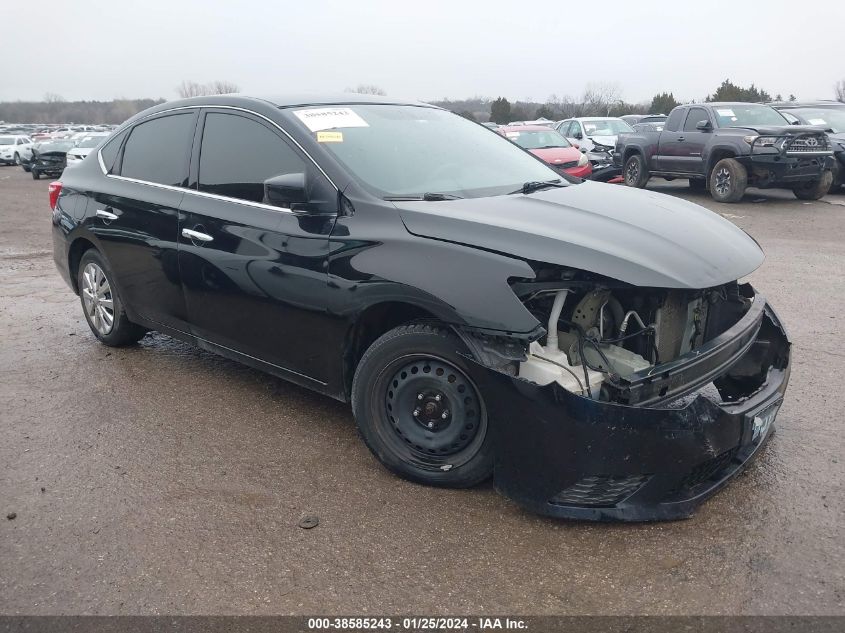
(593, 118)
(807, 104)
(524, 128)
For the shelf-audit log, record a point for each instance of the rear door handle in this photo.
(106, 215)
(196, 235)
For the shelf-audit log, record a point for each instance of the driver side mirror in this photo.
(287, 191)
(703, 126)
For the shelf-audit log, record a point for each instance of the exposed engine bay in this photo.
(600, 341)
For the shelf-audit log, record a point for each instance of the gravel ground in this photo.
(162, 479)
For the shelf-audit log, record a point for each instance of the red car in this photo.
(548, 145)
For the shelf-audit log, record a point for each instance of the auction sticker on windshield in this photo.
(317, 119)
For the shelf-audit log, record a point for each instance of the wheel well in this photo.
(77, 250)
(716, 156)
(630, 152)
(371, 324)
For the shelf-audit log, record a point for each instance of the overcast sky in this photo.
(425, 49)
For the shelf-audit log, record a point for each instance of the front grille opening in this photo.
(600, 490)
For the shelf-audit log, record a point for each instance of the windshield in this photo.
(90, 141)
(7, 140)
(402, 150)
(537, 139)
(606, 127)
(833, 118)
(747, 115)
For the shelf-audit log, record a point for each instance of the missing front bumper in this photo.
(564, 455)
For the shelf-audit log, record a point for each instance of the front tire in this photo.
(636, 174)
(101, 303)
(17, 159)
(816, 189)
(418, 410)
(728, 181)
(35, 174)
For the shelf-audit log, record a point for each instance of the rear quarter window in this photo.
(111, 149)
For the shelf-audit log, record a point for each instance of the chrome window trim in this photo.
(214, 195)
(202, 194)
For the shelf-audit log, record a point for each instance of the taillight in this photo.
(54, 190)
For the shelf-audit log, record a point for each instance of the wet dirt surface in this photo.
(162, 479)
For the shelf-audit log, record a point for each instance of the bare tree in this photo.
(840, 90)
(367, 89)
(599, 99)
(222, 87)
(191, 89)
(52, 97)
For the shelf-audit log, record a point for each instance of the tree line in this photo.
(603, 100)
(596, 100)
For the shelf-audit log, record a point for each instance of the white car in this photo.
(85, 146)
(14, 148)
(589, 130)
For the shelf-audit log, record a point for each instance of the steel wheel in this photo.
(723, 181)
(434, 409)
(97, 298)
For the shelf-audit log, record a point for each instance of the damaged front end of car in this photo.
(634, 404)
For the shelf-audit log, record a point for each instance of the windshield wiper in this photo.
(535, 185)
(428, 197)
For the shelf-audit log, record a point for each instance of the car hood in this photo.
(555, 155)
(610, 141)
(780, 130)
(635, 236)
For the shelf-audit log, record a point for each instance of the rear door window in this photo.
(159, 150)
(238, 154)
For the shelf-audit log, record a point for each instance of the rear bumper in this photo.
(567, 456)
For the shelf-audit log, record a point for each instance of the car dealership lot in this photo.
(174, 481)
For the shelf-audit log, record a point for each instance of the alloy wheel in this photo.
(723, 181)
(633, 173)
(98, 299)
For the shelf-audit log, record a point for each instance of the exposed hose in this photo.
(554, 316)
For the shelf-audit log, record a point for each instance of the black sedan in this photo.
(587, 346)
(49, 158)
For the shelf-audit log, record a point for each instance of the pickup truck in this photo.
(726, 147)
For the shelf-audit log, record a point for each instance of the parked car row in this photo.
(48, 156)
(726, 147)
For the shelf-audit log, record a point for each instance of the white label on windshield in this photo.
(816, 121)
(327, 118)
(725, 112)
(511, 134)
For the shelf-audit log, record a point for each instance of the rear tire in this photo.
(728, 181)
(816, 189)
(101, 303)
(636, 174)
(439, 439)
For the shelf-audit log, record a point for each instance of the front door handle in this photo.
(106, 215)
(196, 235)
(681, 138)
